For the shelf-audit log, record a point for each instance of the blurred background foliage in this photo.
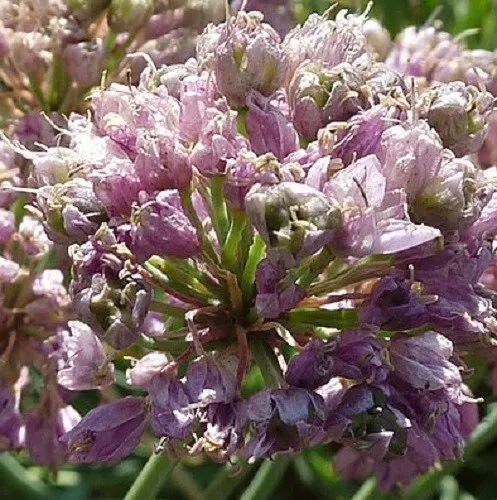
(310, 474)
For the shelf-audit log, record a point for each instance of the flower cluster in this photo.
(53, 52)
(433, 57)
(293, 206)
(34, 311)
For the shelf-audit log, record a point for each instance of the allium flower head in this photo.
(296, 210)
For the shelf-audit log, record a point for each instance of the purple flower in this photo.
(269, 127)
(7, 225)
(84, 365)
(319, 95)
(330, 42)
(423, 52)
(293, 217)
(283, 420)
(34, 130)
(364, 132)
(354, 354)
(71, 210)
(223, 426)
(170, 413)
(393, 305)
(117, 186)
(454, 198)
(210, 380)
(245, 171)
(423, 362)
(161, 228)
(410, 157)
(32, 236)
(8, 270)
(366, 420)
(45, 426)
(114, 307)
(96, 256)
(50, 301)
(84, 61)
(248, 56)
(135, 120)
(458, 113)
(12, 429)
(375, 221)
(276, 292)
(169, 169)
(218, 142)
(108, 433)
(149, 367)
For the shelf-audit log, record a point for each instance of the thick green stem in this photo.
(267, 479)
(168, 310)
(38, 92)
(116, 59)
(60, 83)
(177, 273)
(315, 267)
(356, 274)
(186, 483)
(267, 362)
(174, 347)
(248, 276)
(201, 276)
(20, 482)
(157, 277)
(186, 199)
(225, 482)
(220, 213)
(329, 318)
(230, 248)
(241, 121)
(484, 434)
(151, 478)
(367, 491)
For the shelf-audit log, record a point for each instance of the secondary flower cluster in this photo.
(34, 309)
(53, 52)
(291, 206)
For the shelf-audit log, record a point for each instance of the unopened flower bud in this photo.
(293, 216)
(248, 56)
(378, 38)
(71, 212)
(319, 95)
(458, 113)
(109, 432)
(84, 61)
(453, 199)
(115, 308)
